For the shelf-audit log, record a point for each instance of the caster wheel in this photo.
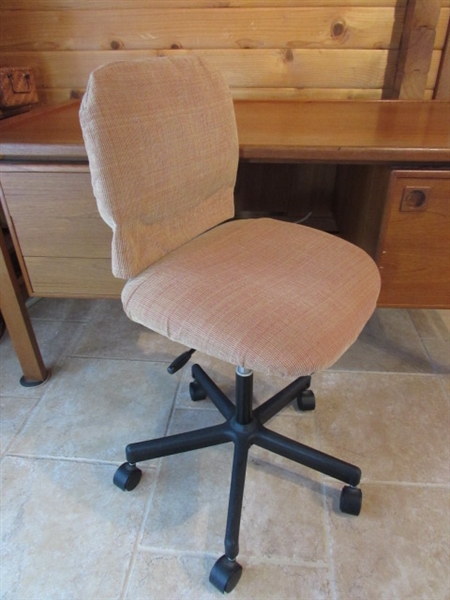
(127, 477)
(196, 391)
(351, 500)
(225, 574)
(306, 401)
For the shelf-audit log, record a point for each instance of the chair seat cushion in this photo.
(271, 296)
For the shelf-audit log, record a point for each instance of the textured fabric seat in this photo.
(264, 295)
(267, 295)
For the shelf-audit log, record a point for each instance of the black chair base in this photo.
(244, 427)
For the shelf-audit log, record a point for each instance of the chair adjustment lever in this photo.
(180, 361)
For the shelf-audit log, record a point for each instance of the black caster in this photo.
(127, 477)
(196, 391)
(306, 401)
(351, 500)
(225, 574)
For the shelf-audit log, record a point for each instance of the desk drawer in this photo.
(63, 244)
(72, 277)
(414, 246)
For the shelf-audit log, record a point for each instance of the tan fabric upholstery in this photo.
(263, 294)
(162, 152)
(267, 295)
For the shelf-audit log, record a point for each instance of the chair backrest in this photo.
(162, 144)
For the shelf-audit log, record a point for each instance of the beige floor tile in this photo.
(94, 408)
(189, 509)
(56, 339)
(283, 516)
(14, 411)
(63, 309)
(431, 323)
(445, 382)
(67, 532)
(389, 342)
(445, 318)
(397, 548)
(433, 327)
(297, 426)
(189, 505)
(185, 577)
(112, 335)
(439, 353)
(394, 426)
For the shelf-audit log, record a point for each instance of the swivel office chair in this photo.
(262, 294)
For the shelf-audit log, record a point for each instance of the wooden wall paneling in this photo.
(416, 50)
(223, 4)
(273, 68)
(442, 88)
(266, 48)
(58, 95)
(136, 29)
(293, 93)
(432, 74)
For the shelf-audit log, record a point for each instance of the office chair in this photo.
(265, 295)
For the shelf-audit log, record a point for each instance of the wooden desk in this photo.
(334, 131)
(392, 195)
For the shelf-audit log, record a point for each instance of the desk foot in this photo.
(25, 382)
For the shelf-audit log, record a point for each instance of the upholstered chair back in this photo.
(163, 169)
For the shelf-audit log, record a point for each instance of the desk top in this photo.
(316, 131)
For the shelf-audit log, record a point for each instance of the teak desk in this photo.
(392, 194)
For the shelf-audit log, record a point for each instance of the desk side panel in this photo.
(63, 243)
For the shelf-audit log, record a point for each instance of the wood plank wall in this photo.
(266, 48)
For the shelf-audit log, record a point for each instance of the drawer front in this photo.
(64, 245)
(414, 251)
(55, 214)
(72, 277)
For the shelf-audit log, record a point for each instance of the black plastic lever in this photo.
(180, 361)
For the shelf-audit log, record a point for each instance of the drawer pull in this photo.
(415, 199)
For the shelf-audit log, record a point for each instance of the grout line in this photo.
(271, 560)
(173, 407)
(68, 459)
(163, 361)
(412, 484)
(140, 533)
(61, 320)
(325, 480)
(329, 539)
(147, 508)
(383, 373)
(22, 425)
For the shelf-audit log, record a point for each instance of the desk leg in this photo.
(18, 322)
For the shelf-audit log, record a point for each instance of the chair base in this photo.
(244, 427)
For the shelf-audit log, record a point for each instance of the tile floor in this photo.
(68, 533)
